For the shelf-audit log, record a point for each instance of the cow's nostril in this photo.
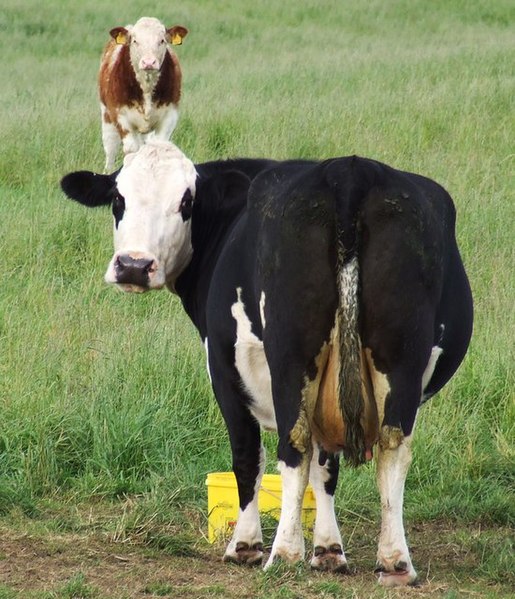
(118, 264)
(149, 266)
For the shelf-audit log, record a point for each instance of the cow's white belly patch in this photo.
(430, 368)
(253, 368)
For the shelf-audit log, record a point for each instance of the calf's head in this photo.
(151, 198)
(147, 41)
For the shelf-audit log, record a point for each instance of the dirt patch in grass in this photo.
(47, 565)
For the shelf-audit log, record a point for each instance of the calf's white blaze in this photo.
(153, 182)
(148, 45)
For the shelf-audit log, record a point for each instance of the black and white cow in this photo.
(332, 301)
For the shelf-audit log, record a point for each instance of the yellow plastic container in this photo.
(223, 503)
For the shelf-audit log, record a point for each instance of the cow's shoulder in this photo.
(249, 166)
(282, 188)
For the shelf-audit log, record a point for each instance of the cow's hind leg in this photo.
(394, 395)
(288, 544)
(394, 565)
(328, 551)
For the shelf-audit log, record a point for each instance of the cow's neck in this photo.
(209, 230)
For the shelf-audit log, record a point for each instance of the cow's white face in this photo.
(152, 210)
(148, 40)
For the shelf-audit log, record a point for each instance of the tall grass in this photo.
(106, 394)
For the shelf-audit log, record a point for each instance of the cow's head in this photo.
(151, 198)
(148, 40)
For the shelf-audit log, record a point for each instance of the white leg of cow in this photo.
(288, 544)
(393, 560)
(246, 545)
(328, 551)
(111, 142)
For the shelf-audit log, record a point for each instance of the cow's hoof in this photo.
(243, 553)
(402, 574)
(283, 557)
(329, 559)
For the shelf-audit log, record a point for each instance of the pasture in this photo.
(109, 426)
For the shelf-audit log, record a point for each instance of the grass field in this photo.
(108, 424)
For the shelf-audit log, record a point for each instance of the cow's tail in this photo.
(350, 180)
(349, 380)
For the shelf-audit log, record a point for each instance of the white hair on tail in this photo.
(351, 399)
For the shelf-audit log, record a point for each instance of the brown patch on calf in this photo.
(168, 88)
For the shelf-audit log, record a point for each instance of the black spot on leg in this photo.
(333, 468)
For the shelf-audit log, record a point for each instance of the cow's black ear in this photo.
(235, 186)
(89, 189)
(225, 191)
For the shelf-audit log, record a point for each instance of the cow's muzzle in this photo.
(134, 272)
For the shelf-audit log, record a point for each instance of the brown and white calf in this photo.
(140, 85)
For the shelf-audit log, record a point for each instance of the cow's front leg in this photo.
(246, 545)
(393, 559)
(328, 551)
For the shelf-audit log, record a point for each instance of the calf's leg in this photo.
(110, 140)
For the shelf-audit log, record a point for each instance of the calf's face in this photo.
(151, 199)
(147, 41)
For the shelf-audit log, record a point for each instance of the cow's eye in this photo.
(118, 208)
(186, 205)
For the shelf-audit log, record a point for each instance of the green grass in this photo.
(105, 395)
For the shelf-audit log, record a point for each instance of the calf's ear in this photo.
(120, 35)
(176, 34)
(89, 189)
